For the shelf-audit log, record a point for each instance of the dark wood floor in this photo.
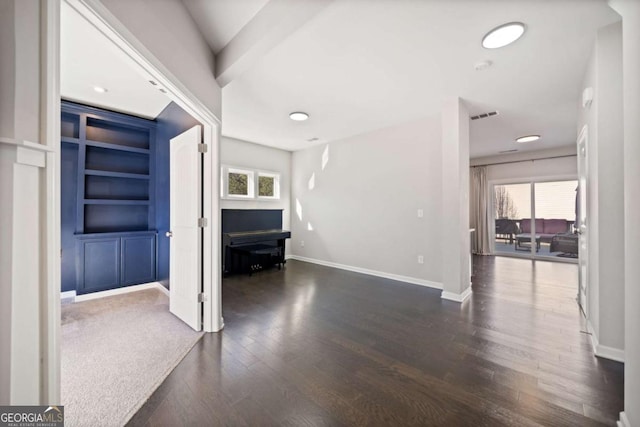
(314, 346)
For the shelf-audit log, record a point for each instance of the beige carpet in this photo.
(115, 352)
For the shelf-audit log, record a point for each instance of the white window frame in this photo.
(224, 181)
(276, 185)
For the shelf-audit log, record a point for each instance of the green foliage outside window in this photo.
(238, 184)
(265, 186)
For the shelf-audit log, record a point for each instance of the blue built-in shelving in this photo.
(108, 212)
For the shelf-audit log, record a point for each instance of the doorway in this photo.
(124, 43)
(536, 219)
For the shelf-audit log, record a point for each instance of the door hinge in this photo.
(202, 148)
(202, 222)
(202, 297)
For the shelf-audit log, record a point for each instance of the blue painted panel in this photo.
(138, 260)
(108, 131)
(112, 218)
(70, 125)
(100, 266)
(172, 121)
(116, 161)
(68, 173)
(251, 219)
(105, 187)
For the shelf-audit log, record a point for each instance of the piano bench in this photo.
(255, 257)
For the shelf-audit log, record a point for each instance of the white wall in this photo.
(234, 152)
(605, 198)
(19, 70)
(167, 30)
(23, 239)
(456, 280)
(630, 11)
(363, 207)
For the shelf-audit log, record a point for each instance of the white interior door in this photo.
(186, 239)
(583, 253)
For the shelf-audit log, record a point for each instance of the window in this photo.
(241, 183)
(237, 183)
(547, 207)
(268, 185)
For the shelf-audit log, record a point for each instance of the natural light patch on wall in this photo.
(299, 209)
(309, 226)
(312, 181)
(325, 157)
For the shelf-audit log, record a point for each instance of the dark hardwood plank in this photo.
(315, 346)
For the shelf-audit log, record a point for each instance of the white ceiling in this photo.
(220, 20)
(361, 65)
(88, 59)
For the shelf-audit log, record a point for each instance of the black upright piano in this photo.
(252, 239)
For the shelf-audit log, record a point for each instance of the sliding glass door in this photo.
(536, 219)
(512, 205)
(555, 204)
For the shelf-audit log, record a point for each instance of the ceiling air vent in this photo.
(507, 151)
(484, 115)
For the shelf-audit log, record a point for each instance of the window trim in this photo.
(224, 181)
(276, 184)
(253, 183)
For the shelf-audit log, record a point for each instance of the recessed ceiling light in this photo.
(503, 35)
(528, 138)
(100, 89)
(298, 116)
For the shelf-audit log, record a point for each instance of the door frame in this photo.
(531, 181)
(143, 61)
(583, 254)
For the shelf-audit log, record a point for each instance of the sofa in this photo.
(546, 229)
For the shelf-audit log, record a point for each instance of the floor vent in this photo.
(484, 115)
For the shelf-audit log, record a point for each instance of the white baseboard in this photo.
(67, 295)
(604, 351)
(624, 421)
(461, 297)
(119, 291)
(391, 276)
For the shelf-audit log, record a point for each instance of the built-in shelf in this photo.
(108, 216)
(70, 140)
(115, 202)
(117, 147)
(116, 174)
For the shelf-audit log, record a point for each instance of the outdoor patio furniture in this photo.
(546, 229)
(506, 229)
(567, 243)
(523, 242)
